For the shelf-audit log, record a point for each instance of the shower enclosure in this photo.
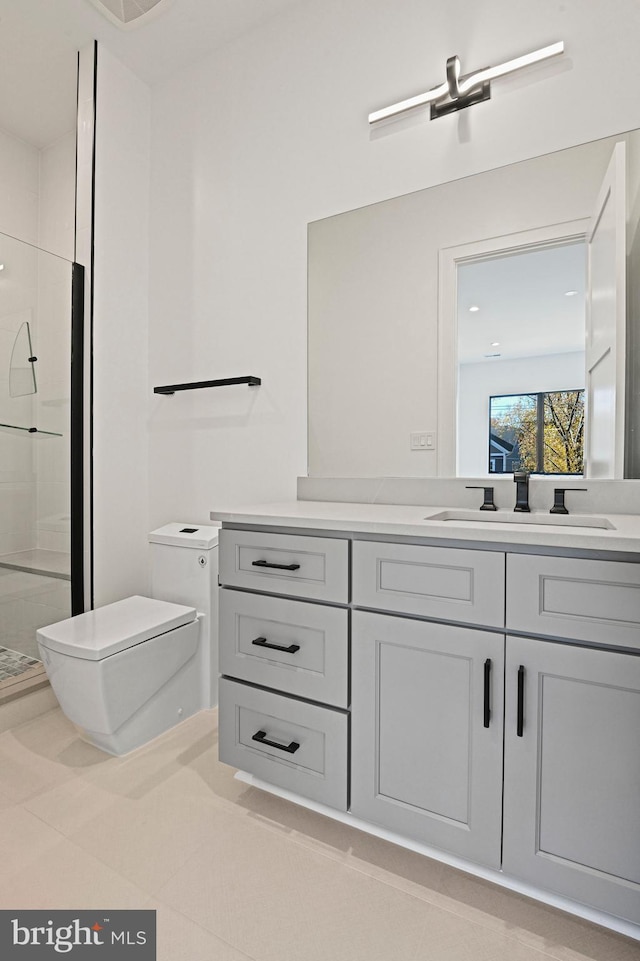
(41, 500)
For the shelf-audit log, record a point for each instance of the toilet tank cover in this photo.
(199, 536)
(115, 627)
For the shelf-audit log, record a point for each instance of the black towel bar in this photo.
(196, 385)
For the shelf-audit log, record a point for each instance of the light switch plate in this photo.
(422, 440)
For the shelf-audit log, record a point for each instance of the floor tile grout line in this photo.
(164, 904)
(508, 935)
(52, 827)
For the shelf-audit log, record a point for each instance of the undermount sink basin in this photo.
(533, 520)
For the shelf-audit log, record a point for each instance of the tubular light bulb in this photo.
(490, 73)
(436, 93)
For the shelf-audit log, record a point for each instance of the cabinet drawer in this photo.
(438, 582)
(299, 746)
(593, 601)
(293, 646)
(314, 567)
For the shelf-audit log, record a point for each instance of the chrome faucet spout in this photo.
(521, 479)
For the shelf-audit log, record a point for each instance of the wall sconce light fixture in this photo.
(458, 92)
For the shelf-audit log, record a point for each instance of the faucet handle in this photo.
(558, 499)
(487, 503)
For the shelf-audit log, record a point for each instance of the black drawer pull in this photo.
(261, 737)
(276, 567)
(520, 721)
(263, 642)
(487, 692)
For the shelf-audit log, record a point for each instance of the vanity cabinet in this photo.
(484, 702)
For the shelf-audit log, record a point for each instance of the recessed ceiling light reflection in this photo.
(473, 309)
(495, 343)
(570, 293)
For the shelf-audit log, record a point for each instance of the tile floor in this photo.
(13, 664)
(236, 874)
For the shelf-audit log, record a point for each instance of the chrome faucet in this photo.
(521, 479)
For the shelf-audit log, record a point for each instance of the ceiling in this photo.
(524, 310)
(39, 40)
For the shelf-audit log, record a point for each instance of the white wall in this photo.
(120, 337)
(270, 133)
(478, 382)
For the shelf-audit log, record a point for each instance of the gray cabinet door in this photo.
(572, 778)
(423, 762)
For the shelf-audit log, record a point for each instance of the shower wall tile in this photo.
(53, 506)
(57, 196)
(53, 459)
(17, 516)
(16, 507)
(18, 162)
(16, 462)
(19, 193)
(13, 541)
(19, 214)
(54, 541)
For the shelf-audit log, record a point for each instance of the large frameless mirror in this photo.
(426, 309)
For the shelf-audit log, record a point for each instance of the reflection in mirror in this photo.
(22, 374)
(387, 287)
(521, 361)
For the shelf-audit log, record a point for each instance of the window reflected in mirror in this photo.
(540, 433)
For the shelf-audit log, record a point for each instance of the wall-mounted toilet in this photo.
(127, 672)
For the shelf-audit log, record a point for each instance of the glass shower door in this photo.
(36, 300)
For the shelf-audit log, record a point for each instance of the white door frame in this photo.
(608, 343)
(448, 260)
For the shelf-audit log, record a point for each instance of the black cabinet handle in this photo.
(520, 720)
(276, 567)
(263, 642)
(261, 737)
(487, 692)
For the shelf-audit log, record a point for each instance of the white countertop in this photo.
(409, 521)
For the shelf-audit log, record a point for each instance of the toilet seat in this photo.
(116, 627)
